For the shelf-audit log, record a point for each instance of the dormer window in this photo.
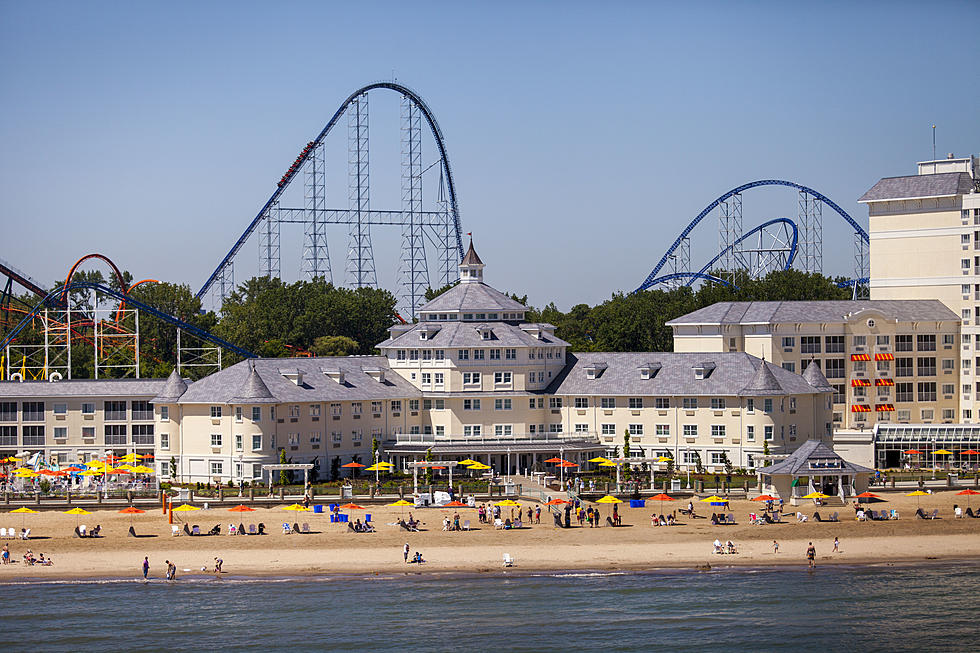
(334, 374)
(649, 370)
(595, 370)
(423, 335)
(296, 376)
(377, 374)
(486, 333)
(703, 370)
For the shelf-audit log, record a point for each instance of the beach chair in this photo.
(174, 530)
(835, 517)
(466, 525)
(508, 560)
(969, 513)
(95, 531)
(306, 527)
(77, 532)
(817, 517)
(350, 527)
(241, 529)
(261, 528)
(132, 532)
(251, 529)
(26, 533)
(919, 514)
(3, 533)
(609, 521)
(935, 515)
(885, 515)
(731, 519)
(81, 530)
(498, 524)
(187, 529)
(215, 530)
(232, 530)
(894, 514)
(296, 527)
(195, 530)
(286, 529)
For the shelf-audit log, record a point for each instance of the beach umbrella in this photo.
(661, 498)
(968, 493)
(714, 500)
(556, 502)
(73, 469)
(509, 503)
(24, 510)
(351, 506)
(376, 468)
(765, 497)
(943, 452)
(77, 511)
(143, 469)
(459, 504)
(352, 465)
(609, 464)
(554, 460)
(608, 499)
(90, 472)
(599, 459)
(816, 495)
(912, 451)
(866, 495)
(296, 507)
(478, 466)
(917, 494)
(185, 507)
(401, 503)
(241, 508)
(567, 464)
(131, 510)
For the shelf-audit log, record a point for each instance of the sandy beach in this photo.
(331, 549)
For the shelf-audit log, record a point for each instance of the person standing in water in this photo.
(811, 555)
(146, 566)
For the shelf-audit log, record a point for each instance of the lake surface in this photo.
(862, 608)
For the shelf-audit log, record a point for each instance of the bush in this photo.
(44, 485)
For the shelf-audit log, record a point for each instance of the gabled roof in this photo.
(172, 390)
(944, 184)
(815, 312)
(813, 457)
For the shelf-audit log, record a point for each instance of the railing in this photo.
(429, 438)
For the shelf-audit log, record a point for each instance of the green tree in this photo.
(728, 465)
(283, 475)
(626, 454)
(698, 465)
(670, 465)
(334, 346)
(428, 470)
(765, 449)
(335, 468)
(173, 468)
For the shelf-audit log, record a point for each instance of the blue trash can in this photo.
(333, 507)
(367, 518)
(344, 518)
(333, 519)
(318, 509)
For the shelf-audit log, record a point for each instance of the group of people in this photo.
(592, 516)
(670, 519)
(29, 559)
(416, 559)
(727, 547)
(171, 573)
(451, 524)
(487, 513)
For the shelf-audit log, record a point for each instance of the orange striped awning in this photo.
(885, 382)
(860, 357)
(860, 408)
(884, 408)
(860, 383)
(884, 357)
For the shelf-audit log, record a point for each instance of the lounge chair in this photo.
(731, 519)
(894, 514)
(95, 531)
(350, 527)
(969, 513)
(817, 517)
(195, 530)
(25, 534)
(558, 522)
(175, 530)
(407, 527)
(3, 533)
(286, 529)
(835, 517)
(306, 528)
(261, 528)
(132, 532)
(187, 529)
(885, 515)
(82, 530)
(215, 530)
(241, 529)
(920, 514)
(508, 560)
(232, 529)
(609, 521)
(251, 529)
(934, 515)
(77, 532)
(296, 527)
(466, 525)
(498, 524)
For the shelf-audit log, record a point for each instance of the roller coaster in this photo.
(431, 236)
(777, 244)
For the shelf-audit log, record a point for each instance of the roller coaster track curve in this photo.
(792, 250)
(440, 143)
(652, 277)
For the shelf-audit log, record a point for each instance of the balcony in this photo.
(525, 438)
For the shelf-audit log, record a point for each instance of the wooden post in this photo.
(163, 502)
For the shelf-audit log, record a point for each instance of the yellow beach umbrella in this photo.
(816, 495)
(25, 511)
(478, 466)
(400, 502)
(664, 459)
(469, 461)
(609, 499)
(607, 464)
(77, 511)
(185, 507)
(917, 494)
(943, 452)
(714, 498)
(376, 468)
(599, 459)
(90, 472)
(143, 469)
(508, 502)
(296, 507)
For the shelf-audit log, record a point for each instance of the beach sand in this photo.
(331, 549)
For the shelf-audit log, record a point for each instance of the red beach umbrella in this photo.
(352, 465)
(554, 460)
(765, 497)
(556, 502)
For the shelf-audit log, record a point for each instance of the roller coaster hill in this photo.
(85, 327)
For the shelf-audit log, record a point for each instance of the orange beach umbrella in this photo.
(241, 508)
(968, 492)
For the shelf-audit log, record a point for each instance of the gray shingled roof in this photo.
(224, 386)
(809, 312)
(798, 462)
(815, 377)
(83, 388)
(465, 334)
(943, 184)
(471, 257)
(254, 390)
(764, 383)
(733, 372)
(173, 389)
(472, 297)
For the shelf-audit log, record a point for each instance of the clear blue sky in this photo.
(584, 136)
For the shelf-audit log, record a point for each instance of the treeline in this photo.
(276, 319)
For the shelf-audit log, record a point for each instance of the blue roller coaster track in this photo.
(652, 277)
(436, 133)
(792, 249)
(691, 277)
(52, 298)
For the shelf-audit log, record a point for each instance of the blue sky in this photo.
(583, 136)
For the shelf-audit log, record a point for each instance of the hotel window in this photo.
(440, 379)
(60, 432)
(581, 402)
(88, 432)
(471, 378)
(355, 408)
(376, 407)
(115, 434)
(965, 363)
(635, 403)
(810, 344)
(859, 341)
(294, 412)
(60, 409)
(114, 411)
(718, 403)
(926, 366)
(510, 354)
(949, 339)
(860, 392)
(835, 344)
(239, 442)
(503, 430)
(903, 343)
(903, 367)
(608, 402)
(965, 263)
(767, 405)
(949, 365)
(838, 393)
(555, 428)
(663, 430)
(883, 366)
(927, 391)
(554, 402)
(609, 429)
(949, 413)
(967, 413)
(400, 355)
(882, 340)
(965, 313)
(464, 354)
(750, 433)
(661, 402)
(338, 437)
(478, 354)
(426, 378)
(471, 404)
(164, 440)
(238, 414)
(903, 415)
(636, 430)
(903, 392)
(396, 405)
(717, 430)
(768, 433)
(472, 431)
(581, 428)
(314, 410)
(335, 410)
(215, 439)
(34, 436)
(502, 378)
(834, 368)
(216, 468)
(717, 458)
(789, 366)
(502, 404)
(8, 411)
(690, 403)
(315, 439)
(789, 342)
(440, 355)
(750, 406)
(143, 434)
(413, 354)
(440, 431)
(215, 412)
(256, 442)
(859, 366)
(426, 404)
(925, 342)
(356, 435)
(792, 431)
(926, 413)
(690, 430)
(495, 354)
(966, 389)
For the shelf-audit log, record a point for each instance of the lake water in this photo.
(862, 608)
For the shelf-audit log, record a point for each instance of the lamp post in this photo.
(561, 454)
(687, 465)
(241, 474)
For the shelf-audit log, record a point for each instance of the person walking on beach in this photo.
(405, 551)
(775, 546)
(811, 555)
(217, 564)
(146, 566)
(836, 545)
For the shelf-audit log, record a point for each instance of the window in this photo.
(859, 341)
(256, 413)
(413, 404)
(495, 354)
(440, 431)
(860, 392)
(164, 440)
(60, 409)
(464, 354)
(663, 430)
(903, 367)
(810, 344)
(164, 413)
(789, 342)
(750, 406)
(501, 378)
(903, 392)
(256, 442)
(216, 468)
(967, 413)
(608, 402)
(440, 378)
(838, 393)
(503, 429)
(426, 378)
(142, 411)
(948, 339)
(925, 342)
(427, 354)
(949, 413)
(471, 378)
(115, 434)
(471, 404)
(478, 354)
(143, 434)
(337, 437)
(949, 365)
(581, 402)
(396, 406)
(717, 430)
(903, 343)
(835, 344)
(238, 414)
(860, 366)
(356, 408)
(239, 442)
(554, 402)
(768, 433)
(215, 439)
(767, 405)
(609, 429)
(555, 428)
(8, 411)
(750, 433)
(400, 355)
(690, 430)
(927, 391)
(472, 431)
(292, 439)
(926, 366)
(716, 458)
(883, 366)
(789, 366)
(718, 403)
(34, 436)
(662, 402)
(502, 404)
(581, 428)
(926, 413)
(834, 368)
(88, 432)
(690, 403)
(510, 354)
(215, 412)
(33, 411)
(636, 430)
(440, 354)
(60, 432)
(635, 403)
(882, 340)
(335, 410)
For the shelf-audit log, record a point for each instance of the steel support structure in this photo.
(39, 361)
(226, 282)
(861, 270)
(811, 233)
(316, 256)
(730, 233)
(681, 261)
(269, 242)
(413, 270)
(206, 359)
(114, 342)
(360, 254)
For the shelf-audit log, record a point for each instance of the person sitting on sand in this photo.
(717, 545)
(714, 519)
(800, 517)
(417, 559)
(731, 547)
